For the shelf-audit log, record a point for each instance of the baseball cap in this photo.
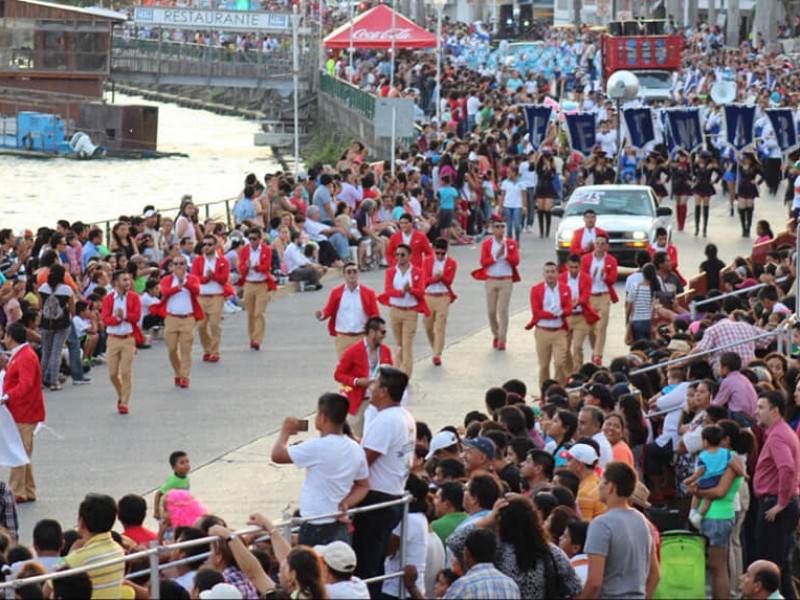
(482, 444)
(338, 555)
(443, 439)
(582, 453)
(149, 213)
(221, 591)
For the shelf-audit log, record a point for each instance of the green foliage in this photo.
(326, 145)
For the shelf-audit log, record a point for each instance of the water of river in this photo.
(35, 193)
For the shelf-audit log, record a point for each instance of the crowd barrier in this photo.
(287, 523)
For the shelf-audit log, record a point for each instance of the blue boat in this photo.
(42, 135)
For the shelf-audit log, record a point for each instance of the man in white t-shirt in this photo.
(340, 581)
(389, 445)
(337, 473)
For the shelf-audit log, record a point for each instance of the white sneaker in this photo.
(695, 518)
(230, 308)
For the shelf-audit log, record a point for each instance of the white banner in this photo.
(226, 20)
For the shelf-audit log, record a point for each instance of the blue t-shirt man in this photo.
(447, 197)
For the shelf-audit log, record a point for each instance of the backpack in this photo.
(52, 309)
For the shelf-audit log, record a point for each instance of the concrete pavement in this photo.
(228, 419)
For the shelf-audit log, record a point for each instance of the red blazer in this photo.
(23, 385)
(609, 274)
(487, 259)
(222, 273)
(192, 284)
(584, 293)
(417, 289)
(133, 312)
(355, 364)
(576, 246)
(420, 247)
(264, 264)
(369, 303)
(672, 252)
(537, 304)
(450, 266)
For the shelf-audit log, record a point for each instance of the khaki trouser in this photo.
(343, 342)
(179, 336)
(551, 345)
(436, 323)
(602, 304)
(579, 330)
(21, 478)
(357, 420)
(498, 297)
(404, 328)
(210, 328)
(256, 298)
(120, 353)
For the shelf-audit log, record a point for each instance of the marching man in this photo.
(348, 308)
(499, 260)
(582, 315)
(602, 267)
(551, 304)
(213, 271)
(439, 271)
(255, 265)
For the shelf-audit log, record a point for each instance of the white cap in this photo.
(149, 213)
(221, 591)
(582, 453)
(338, 555)
(443, 439)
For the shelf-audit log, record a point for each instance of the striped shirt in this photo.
(106, 581)
(642, 299)
(483, 581)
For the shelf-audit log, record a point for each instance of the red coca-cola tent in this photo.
(373, 29)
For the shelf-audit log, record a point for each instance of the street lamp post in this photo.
(295, 72)
(439, 5)
(394, 32)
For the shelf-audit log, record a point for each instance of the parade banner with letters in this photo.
(782, 120)
(538, 117)
(739, 121)
(639, 123)
(581, 131)
(685, 128)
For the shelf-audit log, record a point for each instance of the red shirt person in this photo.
(214, 272)
(358, 368)
(583, 315)
(22, 393)
(499, 261)
(583, 239)
(439, 272)
(603, 269)
(349, 307)
(416, 240)
(551, 304)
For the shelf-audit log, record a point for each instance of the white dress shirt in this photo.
(437, 287)
(589, 236)
(180, 303)
(351, 318)
(294, 258)
(212, 288)
(551, 303)
(407, 300)
(574, 288)
(501, 267)
(255, 257)
(598, 271)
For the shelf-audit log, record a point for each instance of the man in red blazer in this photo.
(602, 267)
(349, 307)
(439, 271)
(404, 293)
(121, 311)
(583, 239)
(255, 266)
(181, 310)
(499, 261)
(582, 315)
(416, 240)
(357, 370)
(213, 271)
(22, 392)
(551, 303)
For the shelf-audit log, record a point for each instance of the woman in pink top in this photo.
(613, 427)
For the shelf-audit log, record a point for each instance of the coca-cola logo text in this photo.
(365, 34)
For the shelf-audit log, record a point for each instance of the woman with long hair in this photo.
(681, 175)
(639, 303)
(524, 553)
(545, 193)
(763, 231)
(637, 431)
(614, 430)
(302, 574)
(57, 306)
(122, 240)
(750, 176)
(704, 170)
(186, 225)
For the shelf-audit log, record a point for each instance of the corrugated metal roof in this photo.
(102, 13)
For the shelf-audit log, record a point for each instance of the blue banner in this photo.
(782, 120)
(739, 121)
(685, 129)
(538, 117)
(639, 123)
(581, 131)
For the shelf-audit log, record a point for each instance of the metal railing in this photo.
(695, 303)
(286, 524)
(356, 99)
(228, 203)
(201, 52)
